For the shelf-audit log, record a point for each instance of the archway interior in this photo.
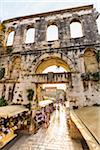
(55, 69)
(54, 91)
(55, 65)
(52, 61)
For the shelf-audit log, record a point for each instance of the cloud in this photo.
(15, 8)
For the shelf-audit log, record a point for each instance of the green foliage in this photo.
(46, 98)
(91, 76)
(98, 56)
(96, 76)
(29, 105)
(85, 76)
(2, 73)
(30, 94)
(96, 104)
(3, 102)
(9, 49)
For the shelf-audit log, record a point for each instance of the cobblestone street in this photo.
(56, 137)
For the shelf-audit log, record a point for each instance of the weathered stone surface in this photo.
(76, 55)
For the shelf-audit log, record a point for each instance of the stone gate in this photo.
(22, 63)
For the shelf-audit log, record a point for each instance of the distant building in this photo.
(50, 92)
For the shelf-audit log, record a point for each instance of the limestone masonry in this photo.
(22, 64)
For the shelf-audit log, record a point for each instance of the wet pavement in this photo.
(55, 137)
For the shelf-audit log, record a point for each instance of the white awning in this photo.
(9, 111)
(45, 103)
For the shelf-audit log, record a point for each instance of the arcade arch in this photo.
(57, 59)
(42, 67)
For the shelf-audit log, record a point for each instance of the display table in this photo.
(87, 120)
(4, 139)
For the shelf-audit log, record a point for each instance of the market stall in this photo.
(43, 113)
(12, 118)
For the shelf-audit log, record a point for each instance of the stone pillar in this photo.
(18, 39)
(2, 39)
(40, 28)
(82, 67)
(77, 95)
(64, 30)
(89, 28)
(38, 92)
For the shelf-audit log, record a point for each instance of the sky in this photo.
(55, 69)
(15, 8)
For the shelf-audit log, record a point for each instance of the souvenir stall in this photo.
(43, 113)
(12, 118)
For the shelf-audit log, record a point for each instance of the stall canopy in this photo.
(45, 103)
(9, 111)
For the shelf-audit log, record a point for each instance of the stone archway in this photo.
(47, 60)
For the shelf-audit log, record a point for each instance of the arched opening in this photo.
(15, 68)
(55, 92)
(52, 61)
(76, 29)
(50, 91)
(90, 61)
(50, 66)
(10, 38)
(30, 36)
(52, 33)
(55, 69)
(98, 24)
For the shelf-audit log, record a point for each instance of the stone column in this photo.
(18, 39)
(89, 28)
(77, 91)
(38, 94)
(82, 67)
(64, 29)
(40, 28)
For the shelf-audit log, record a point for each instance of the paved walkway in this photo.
(56, 137)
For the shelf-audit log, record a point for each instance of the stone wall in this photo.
(78, 55)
